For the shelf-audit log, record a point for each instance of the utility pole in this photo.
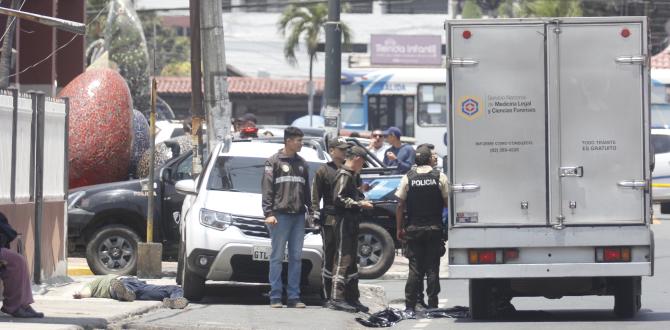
(333, 68)
(6, 57)
(197, 114)
(150, 254)
(217, 103)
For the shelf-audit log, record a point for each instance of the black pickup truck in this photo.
(106, 221)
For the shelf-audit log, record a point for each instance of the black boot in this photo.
(341, 305)
(359, 306)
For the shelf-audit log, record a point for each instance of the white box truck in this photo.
(549, 159)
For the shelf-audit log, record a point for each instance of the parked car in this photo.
(223, 234)
(660, 141)
(106, 221)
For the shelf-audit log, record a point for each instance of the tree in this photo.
(548, 8)
(170, 49)
(489, 7)
(471, 10)
(307, 22)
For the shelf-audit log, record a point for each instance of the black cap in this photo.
(423, 154)
(339, 143)
(357, 151)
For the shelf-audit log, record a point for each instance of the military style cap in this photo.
(339, 143)
(357, 151)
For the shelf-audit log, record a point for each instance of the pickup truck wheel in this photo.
(180, 264)
(481, 299)
(626, 300)
(375, 251)
(113, 250)
(192, 283)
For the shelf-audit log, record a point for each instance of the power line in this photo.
(57, 49)
(13, 18)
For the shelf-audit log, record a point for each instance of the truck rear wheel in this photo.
(192, 283)
(627, 298)
(376, 251)
(481, 299)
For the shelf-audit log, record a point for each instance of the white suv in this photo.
(223, 234)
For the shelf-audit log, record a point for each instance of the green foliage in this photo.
(306, 22)
(124, 39)
(548, 8)
(169, 47)
(94, 30)
(177, 69)
(471, 10)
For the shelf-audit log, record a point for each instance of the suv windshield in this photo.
(243, 174)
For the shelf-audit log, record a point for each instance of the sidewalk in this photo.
(63, 312)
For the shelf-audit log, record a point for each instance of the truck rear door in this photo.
(599, 131)
(498, 124)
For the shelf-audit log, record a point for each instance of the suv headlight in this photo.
(216, 220)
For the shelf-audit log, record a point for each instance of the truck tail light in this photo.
(485, 256)
(511, 254)
(613, 254)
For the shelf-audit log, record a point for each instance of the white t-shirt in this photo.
(379, 153)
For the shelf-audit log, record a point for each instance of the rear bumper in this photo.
(550, 270)
(545, 252)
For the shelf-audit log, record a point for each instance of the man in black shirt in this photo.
(349, 201)
(424, 192)
(322, 188)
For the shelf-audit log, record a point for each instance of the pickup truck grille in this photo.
(251, 226)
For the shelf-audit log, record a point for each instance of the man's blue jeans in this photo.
(144, 291)
(289, 229)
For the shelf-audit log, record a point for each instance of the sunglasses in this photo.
(378, 135)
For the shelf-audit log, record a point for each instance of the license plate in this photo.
(262, 253)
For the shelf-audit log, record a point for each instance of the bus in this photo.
(412, 99)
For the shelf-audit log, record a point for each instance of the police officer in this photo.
(349, 201)
(322, 188)
(423, 191)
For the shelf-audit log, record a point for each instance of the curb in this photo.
(79, 271)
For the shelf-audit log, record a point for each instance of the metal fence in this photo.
(34, 178)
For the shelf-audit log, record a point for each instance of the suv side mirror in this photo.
(186, 187)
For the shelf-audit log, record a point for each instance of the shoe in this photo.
(409, 313)
(276, 303)
(295, 303)
(26, 312)
(120, 291)
(359, 306)
(175, 303)
(341, 305)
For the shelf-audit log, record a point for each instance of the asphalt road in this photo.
(231, 307)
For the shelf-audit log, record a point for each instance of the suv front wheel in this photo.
(192, 283)
(113, 250)
(376, 251)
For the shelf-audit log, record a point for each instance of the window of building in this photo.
(432, 105)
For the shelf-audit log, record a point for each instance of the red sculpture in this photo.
(100, 127)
